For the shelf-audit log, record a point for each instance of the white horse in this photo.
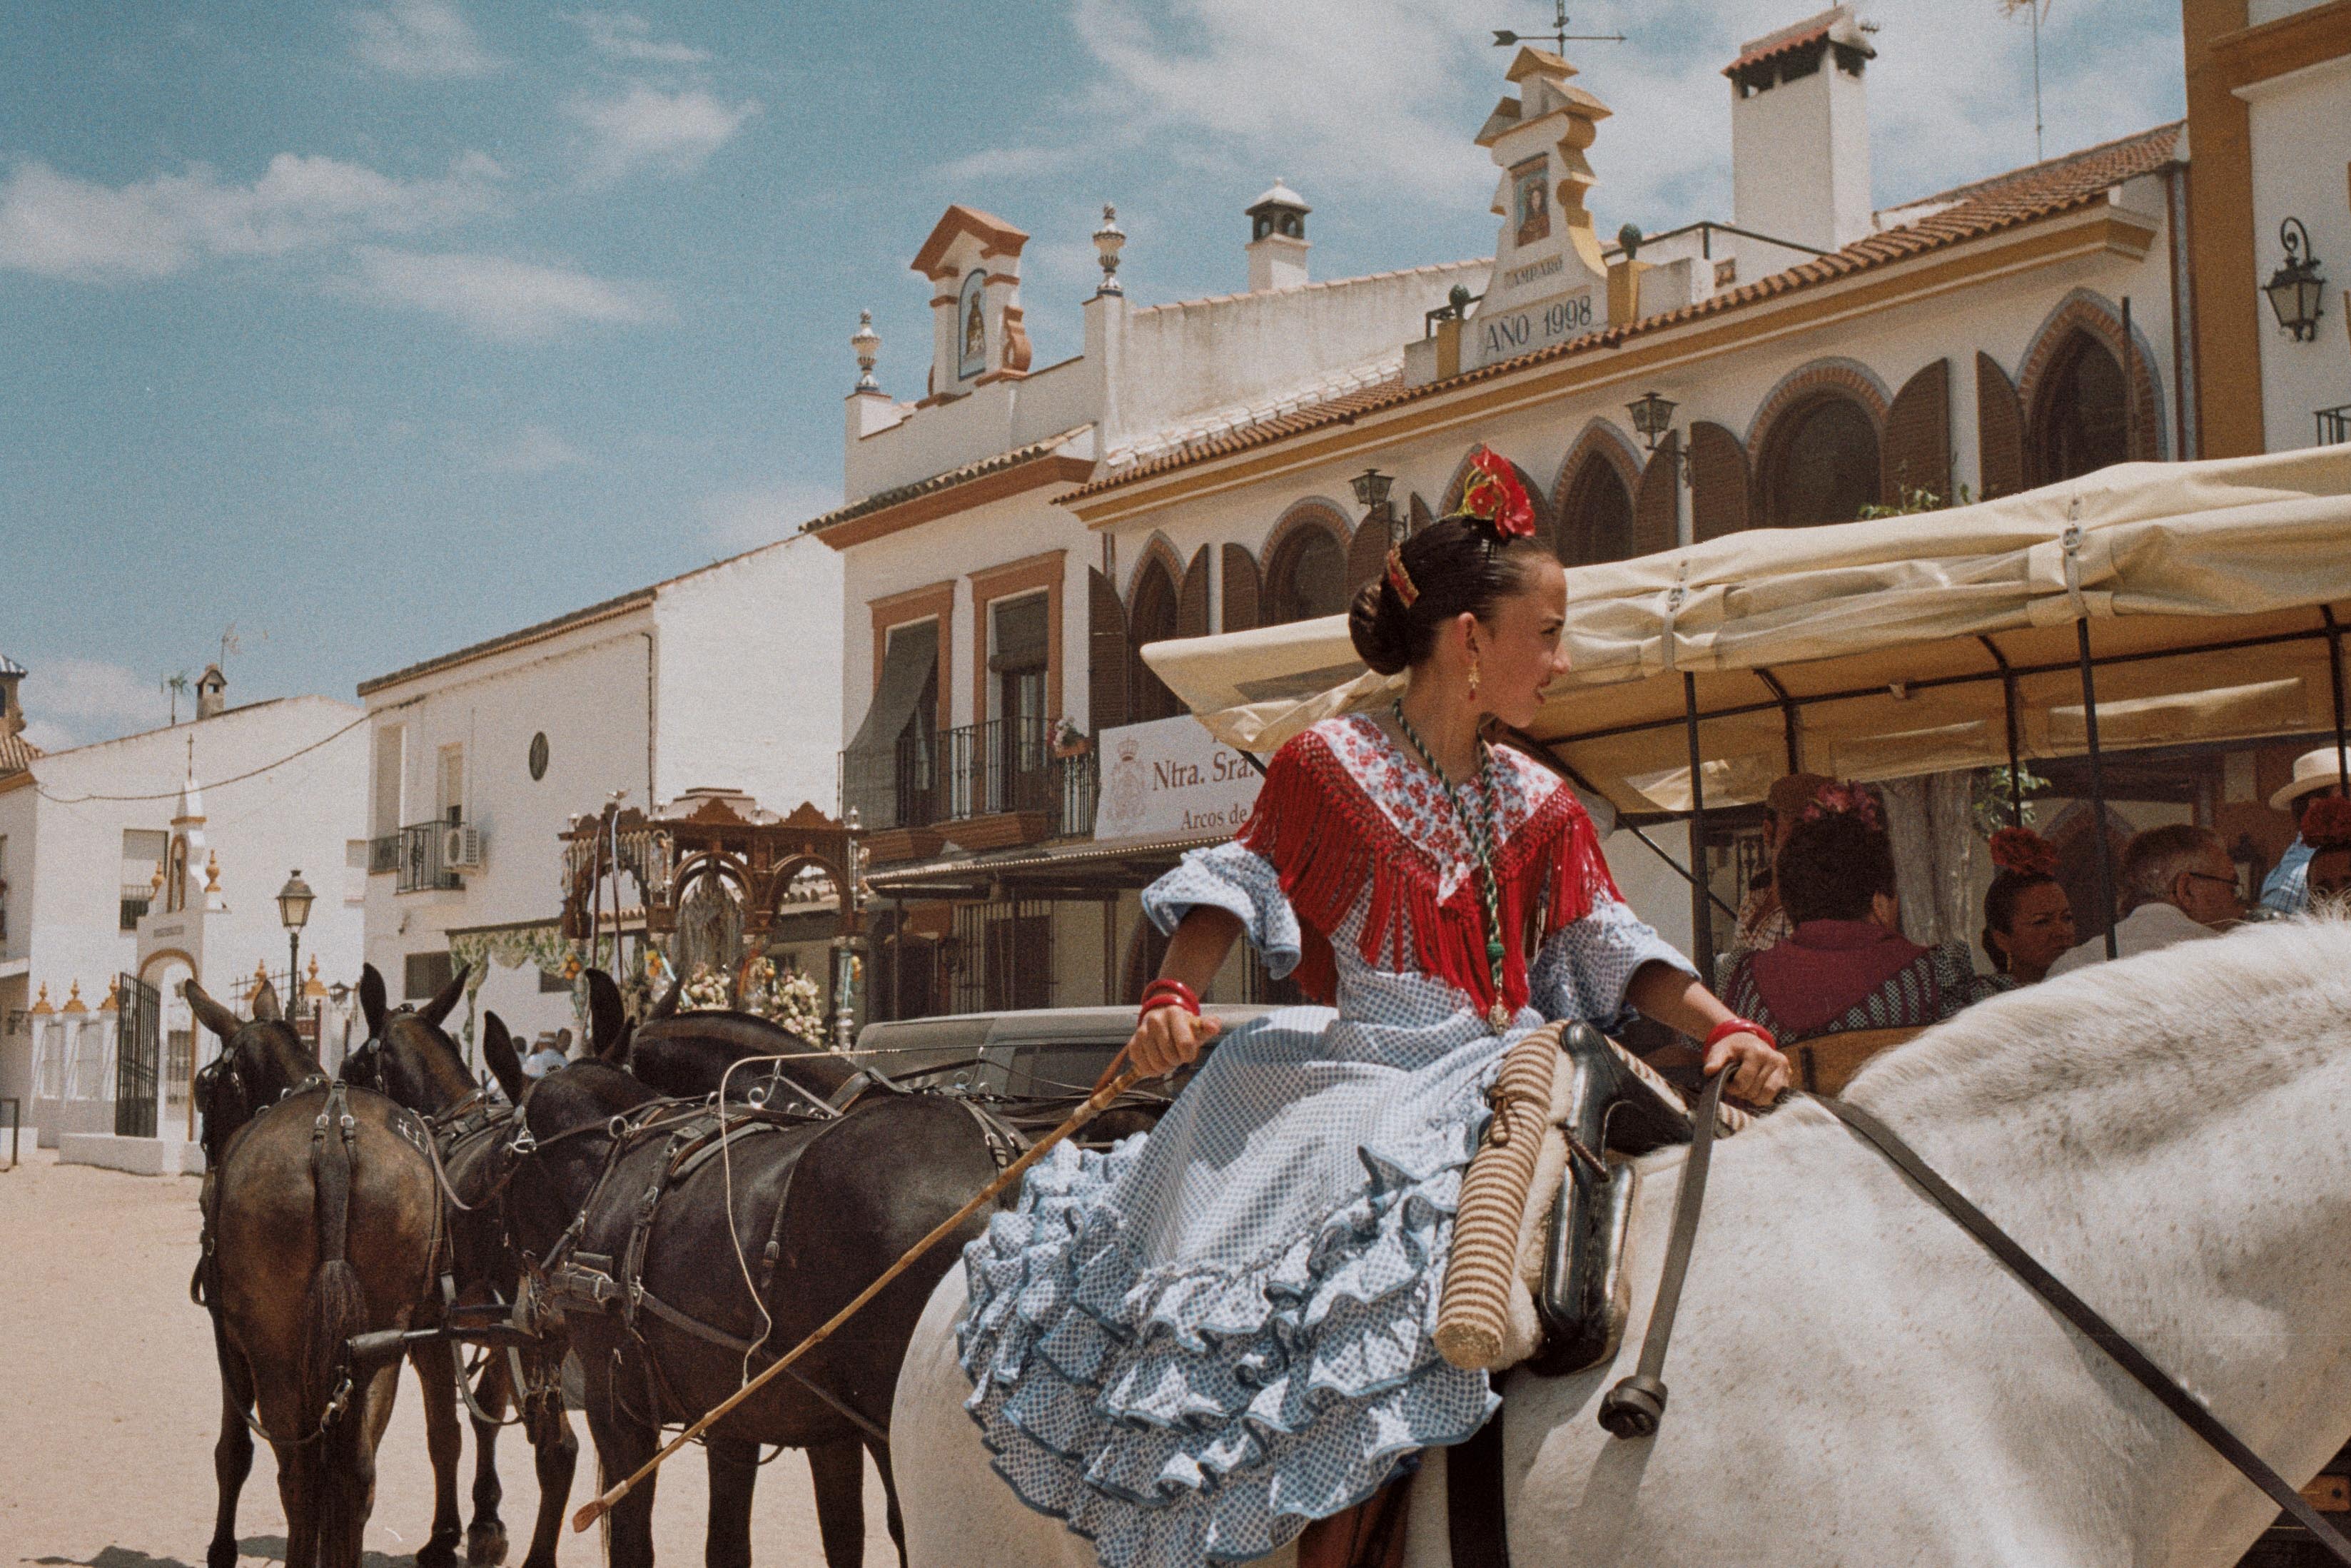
(1855, 1380)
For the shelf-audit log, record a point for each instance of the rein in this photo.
(2093, 1326)
(1635, 1406)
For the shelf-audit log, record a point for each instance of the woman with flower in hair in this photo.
(1219, 1337)
(2028, 918)
(1847, 966)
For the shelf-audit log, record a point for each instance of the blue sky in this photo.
(377, 330)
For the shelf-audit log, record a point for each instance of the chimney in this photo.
(1277, 246)
(1800, 132)
(12, 706)
(211, 689)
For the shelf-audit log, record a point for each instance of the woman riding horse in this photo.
(1218, 1336)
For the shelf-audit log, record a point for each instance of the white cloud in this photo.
(624, 35)
(672, 132)
(73, 702)
(758, 515)
(420, 38)
(1373, 104)
(533, 449)
(60, 226)
(499, 298)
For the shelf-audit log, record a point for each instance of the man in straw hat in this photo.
(2317, 775)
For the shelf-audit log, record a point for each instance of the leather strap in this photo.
(1476, 1526)
(2093, 1327)
(1635, 1406)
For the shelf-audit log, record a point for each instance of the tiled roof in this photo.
(2023, 196)
(943, 481)
(9, 666)
(16, 753)
(510, 639)
(1382, 373)
(1772, 49)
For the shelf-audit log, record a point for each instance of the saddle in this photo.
(1550, 1290)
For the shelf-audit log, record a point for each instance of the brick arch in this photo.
(1546, 517)
(2088, 311)
(1798, 391)
(1161, 548)
(1850, 377)
(1308, 514)
(1600, 441)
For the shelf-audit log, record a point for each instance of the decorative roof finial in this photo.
(211, 871)
(866, 343)
(1109, 240)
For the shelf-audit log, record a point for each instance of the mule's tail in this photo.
(336, 1307)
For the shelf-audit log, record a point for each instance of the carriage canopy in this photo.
(2214, 594)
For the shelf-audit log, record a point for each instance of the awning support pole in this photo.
(1792, 738)
(1701, 911)
(2097, 788)
(2015, 749)
(2335, 670)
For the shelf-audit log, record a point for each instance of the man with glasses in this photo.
(2178, 885)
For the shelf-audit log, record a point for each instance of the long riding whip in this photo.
(1104, 1092)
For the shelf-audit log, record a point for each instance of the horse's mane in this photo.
(2163, 1039)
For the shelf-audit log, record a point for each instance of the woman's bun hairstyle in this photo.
(1455, 564)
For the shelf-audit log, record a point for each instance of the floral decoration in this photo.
(2023, 851)
(1494, 496)
(1850, 798)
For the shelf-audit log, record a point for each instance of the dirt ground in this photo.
(109, 1406)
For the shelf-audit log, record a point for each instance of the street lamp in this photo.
(294, 902)
(1372, 494)
(2296, 291)
(1652, 416)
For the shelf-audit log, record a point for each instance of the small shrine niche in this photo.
(973, 260)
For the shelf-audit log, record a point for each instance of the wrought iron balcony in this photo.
(2334, 425)
(1000, 767)
(417, 859)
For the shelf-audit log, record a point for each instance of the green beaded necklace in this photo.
(1480, 835)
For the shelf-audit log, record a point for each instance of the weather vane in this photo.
(1504, 37)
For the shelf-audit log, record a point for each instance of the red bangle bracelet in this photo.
(1168, 986)
(1157, 999)
(1738, 1026)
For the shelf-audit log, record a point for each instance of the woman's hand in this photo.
(1167, 1038)
(1758, 1072)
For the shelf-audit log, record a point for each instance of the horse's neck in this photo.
(2220, 1240)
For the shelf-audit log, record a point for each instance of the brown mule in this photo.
(323, 1221)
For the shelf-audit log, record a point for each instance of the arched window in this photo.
(2077, 417)
(1307, 577)
(1152, 619)
(1821, 466)
(1598, 525)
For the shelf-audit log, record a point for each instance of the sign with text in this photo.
(1169, 777)
(1492, 335)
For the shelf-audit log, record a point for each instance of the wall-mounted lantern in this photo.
(1652, 416)
(2296, 291)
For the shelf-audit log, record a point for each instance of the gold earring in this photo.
(1473, 672)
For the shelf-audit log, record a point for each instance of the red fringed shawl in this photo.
(1329, 841)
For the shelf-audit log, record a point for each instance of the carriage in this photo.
(2162, 636)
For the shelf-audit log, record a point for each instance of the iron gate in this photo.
(138, 1035)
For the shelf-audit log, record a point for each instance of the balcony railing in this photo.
(2334, 425)
(416, 856)
(979, 771)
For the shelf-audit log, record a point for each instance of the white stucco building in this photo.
(728, 677)
(156, 857)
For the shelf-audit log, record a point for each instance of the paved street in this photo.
(108, 1402)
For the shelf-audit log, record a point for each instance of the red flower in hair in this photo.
(1494, 496)
(1846, 799)
(2326, 823)
(2023, 851)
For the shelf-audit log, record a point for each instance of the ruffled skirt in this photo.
(1191, 1346)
